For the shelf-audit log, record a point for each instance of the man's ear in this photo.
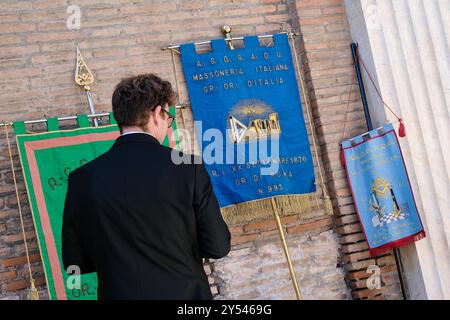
(157, 113)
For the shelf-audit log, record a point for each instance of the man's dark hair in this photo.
(135, 97)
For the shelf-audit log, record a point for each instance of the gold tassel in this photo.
(33, 294)
(328, 206)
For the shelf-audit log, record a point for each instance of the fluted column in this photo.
(407, 42)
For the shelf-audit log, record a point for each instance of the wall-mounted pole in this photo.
(354, 47)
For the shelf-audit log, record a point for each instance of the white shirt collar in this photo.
(130, 132)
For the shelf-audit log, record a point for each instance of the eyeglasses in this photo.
(171, 118)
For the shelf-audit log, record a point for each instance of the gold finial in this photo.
(226, 30)
(83, 75)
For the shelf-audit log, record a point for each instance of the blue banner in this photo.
(252, 130)
(381, 190)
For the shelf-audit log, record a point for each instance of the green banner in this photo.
(47, 159)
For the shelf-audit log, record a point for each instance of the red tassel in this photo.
(401, 129)
(342, 158)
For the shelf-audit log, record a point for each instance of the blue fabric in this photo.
(380, 187)
(246, 84)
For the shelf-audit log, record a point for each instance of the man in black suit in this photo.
(132, 215)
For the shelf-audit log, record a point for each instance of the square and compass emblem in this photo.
(384, 203)
(253, 120)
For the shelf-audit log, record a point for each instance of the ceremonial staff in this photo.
(84, 78)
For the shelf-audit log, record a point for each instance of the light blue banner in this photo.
(381, 190)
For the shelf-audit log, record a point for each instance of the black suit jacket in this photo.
(143, 223)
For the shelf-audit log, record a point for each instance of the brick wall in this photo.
(258, 270)
(123, 37)
(329, 70)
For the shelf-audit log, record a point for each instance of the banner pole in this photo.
(181, 135)
(328, 206)
(91, 105)
(286, 250)
(227, 39)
